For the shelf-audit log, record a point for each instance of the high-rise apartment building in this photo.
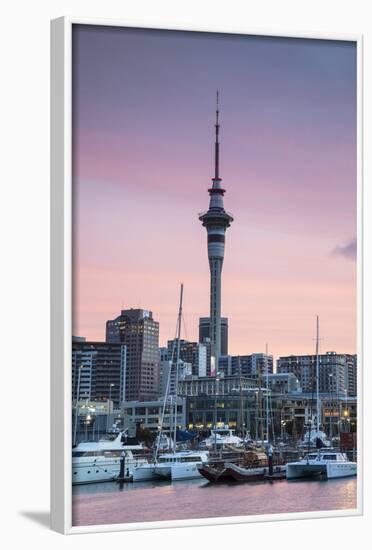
(246, 365)
(333, 371)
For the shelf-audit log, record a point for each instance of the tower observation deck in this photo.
(216, 220)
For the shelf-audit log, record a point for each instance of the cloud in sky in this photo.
(348, 250)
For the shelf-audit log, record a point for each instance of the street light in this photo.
(346, 413)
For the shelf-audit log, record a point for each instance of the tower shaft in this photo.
(215, 266)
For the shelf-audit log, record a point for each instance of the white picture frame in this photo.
(61, 276)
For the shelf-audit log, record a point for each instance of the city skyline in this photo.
(143, 161)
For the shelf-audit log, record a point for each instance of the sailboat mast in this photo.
(267, 392)
(260, 406)
(177, 366)
(241, 400)
(317, 376)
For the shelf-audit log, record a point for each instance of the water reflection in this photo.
(103, 503)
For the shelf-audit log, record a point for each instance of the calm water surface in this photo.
(103, 503)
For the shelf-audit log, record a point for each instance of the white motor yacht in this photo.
(222, 436)
(98, 461)
(323, 463)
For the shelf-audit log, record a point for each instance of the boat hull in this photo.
(341, 470)
(145, 473)
(296, 471)
(163, 471)
(245, 474)
(213, 474)
(101, 470)
(185, 471)
(329, 470)
(239, 473)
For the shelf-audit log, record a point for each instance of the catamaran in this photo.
(174, 466)
(322, 462)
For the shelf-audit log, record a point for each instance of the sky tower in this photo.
(216, 220)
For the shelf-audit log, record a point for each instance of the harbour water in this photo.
(105, 503)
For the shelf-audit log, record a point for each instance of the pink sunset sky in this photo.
(143, 116)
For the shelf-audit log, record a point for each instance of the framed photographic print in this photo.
(206, 276)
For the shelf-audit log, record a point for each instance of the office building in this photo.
(98, 371)
(139, 332)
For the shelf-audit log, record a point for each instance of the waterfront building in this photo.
(232, 410)
(284, 382)
(337, 412)
(139, 332)
(289, 412)
(216, 220)
(148, 414)
(190, 352)
(210, 386)
(333, 371)
(98, 371)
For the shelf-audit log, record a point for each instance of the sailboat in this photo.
(174, 465)
(321, 462)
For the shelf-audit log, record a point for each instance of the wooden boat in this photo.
(241, 473)
(250, 465)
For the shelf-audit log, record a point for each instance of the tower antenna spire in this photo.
(217, 145)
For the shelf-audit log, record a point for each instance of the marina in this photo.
(105, 503)
(222, 456)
